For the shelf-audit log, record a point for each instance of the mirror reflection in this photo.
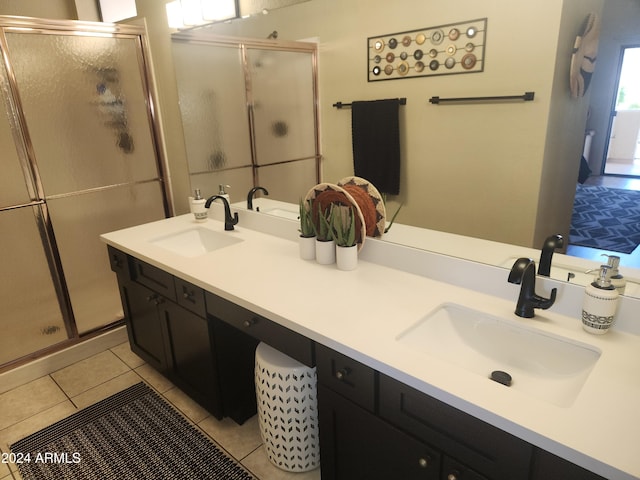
(504, 173)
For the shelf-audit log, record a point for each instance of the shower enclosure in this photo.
(80, 157)
(249, 114)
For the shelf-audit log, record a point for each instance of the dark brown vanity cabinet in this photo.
(375, 427)
(168, 327)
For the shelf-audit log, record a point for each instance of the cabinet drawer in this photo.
(483, 447)
(190, 297)
(119, 262)
(346, 376)
(281, 338)
(154, 278)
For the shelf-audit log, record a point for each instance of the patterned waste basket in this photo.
(287, 410)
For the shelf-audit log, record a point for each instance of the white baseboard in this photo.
(55, 361)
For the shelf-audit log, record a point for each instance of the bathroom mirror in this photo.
(472, 170)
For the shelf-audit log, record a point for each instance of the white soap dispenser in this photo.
(200, 212)
(617, 280)
(600, 303)
(222, 193)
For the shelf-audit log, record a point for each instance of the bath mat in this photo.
(133, 434)
(606, 218)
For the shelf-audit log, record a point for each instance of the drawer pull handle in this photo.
(342, 373)
(423, 462)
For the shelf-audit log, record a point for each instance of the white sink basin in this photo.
(195, 241)
(281, 212)
(542, 365)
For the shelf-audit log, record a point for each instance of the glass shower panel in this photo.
(288, 182)
(240, 179)
(78, 221)
(213, 104)
(13, 190)
(86, 108)
(283, 105)
(31, 318)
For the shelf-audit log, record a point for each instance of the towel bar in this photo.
(339, 105)
(527, 97)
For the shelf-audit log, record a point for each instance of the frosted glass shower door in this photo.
(283, 98)
(85, 101)
(213, 105)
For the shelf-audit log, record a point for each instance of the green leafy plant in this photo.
(393, 218)
(343, 225)
(306, 229)
(323, 227)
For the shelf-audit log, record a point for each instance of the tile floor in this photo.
(48, 399)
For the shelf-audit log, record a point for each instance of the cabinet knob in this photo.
(342, 373)
(249, 322)
(423, 462)
(453, 476)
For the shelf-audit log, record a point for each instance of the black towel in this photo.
(375, 131)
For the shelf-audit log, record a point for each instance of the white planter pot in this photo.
(347, 257)
(307, 248)
(325, 252)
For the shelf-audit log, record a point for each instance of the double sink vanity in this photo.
(405, 347)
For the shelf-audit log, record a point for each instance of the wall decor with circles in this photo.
(442, 50)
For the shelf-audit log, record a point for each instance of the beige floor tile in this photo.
(189, 407)
(106, 389)
(258, 463)
(32, 424)
(153, 378)
(89, 373)
(124, 353)
(238, 440)
(4, 470)
(27, 400)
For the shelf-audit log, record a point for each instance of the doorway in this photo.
(623, 150)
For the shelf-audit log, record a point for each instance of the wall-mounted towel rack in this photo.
(401, 101)
(527, 97)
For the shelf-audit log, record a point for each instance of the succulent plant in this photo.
(323, 230)
(343, 224)
(307, 228)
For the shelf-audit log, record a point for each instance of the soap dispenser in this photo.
(200, 212)
(617, 280)
(600, 303)
(222, 193)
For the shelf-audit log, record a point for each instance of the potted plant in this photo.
(307, 232)
(343, 225)
(325, 244)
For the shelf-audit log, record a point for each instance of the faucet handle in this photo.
(545, 303)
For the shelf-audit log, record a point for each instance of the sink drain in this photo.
(501, 377)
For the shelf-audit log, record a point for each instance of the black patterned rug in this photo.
(133, 434)
(606, 218)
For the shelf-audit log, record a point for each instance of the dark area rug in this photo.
(606, 218)
(133, 434)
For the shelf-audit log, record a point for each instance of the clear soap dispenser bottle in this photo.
(617, 280)
(600, 303)
(222, 193)
(200, 212)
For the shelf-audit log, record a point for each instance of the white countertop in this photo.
(360, 314)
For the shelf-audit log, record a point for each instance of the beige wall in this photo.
(54, 9)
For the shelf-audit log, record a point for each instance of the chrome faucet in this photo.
(250, 195)
(229, 221)
(523, 273)
(551, 244)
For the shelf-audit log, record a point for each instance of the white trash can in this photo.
(287, 410)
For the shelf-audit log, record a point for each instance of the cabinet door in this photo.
(358, 445)
(143, 325)
(191, 358)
